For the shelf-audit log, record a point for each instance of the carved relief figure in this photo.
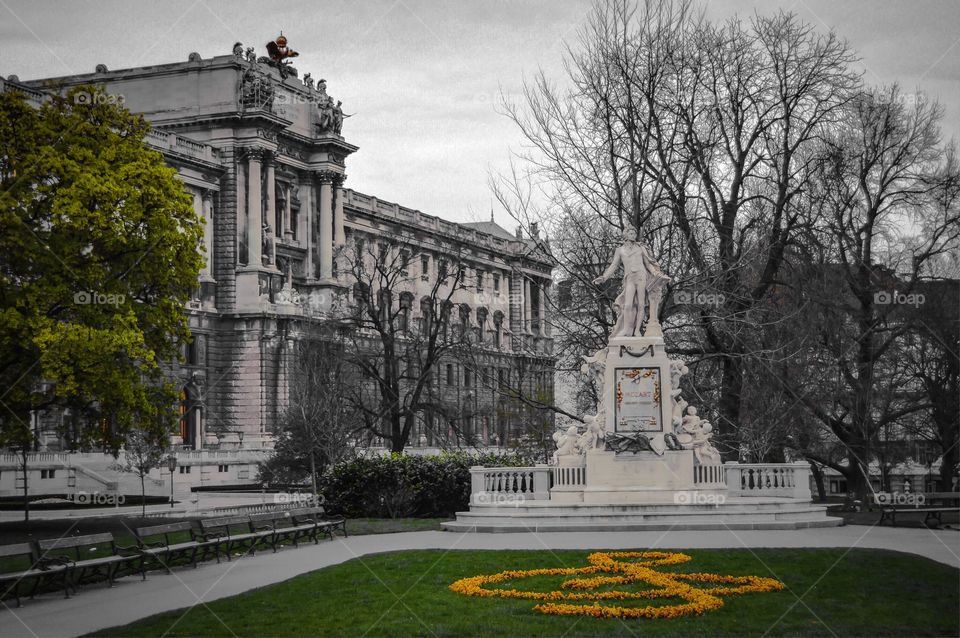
(267, 255)
(325, 108)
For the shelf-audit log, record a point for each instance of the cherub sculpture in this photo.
(593, 438)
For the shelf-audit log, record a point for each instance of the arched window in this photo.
(406, 307)
(426, 315)
(498, 329)
(464, 320)
(481, 325)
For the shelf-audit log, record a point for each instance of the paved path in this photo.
(132, 599)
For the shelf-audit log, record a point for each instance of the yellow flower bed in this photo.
(611, 571)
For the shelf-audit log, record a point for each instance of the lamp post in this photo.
(240, 436)
(171, 465)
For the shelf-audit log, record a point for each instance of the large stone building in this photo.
(261, 151)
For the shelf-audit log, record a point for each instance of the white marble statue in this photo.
(594, 366)
(593, 438)
(642, 276)
(566, 442)
(694, 434)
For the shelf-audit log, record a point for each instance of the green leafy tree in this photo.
(99, 251)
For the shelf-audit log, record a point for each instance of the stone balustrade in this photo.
(495, 485)
(492, 485)
(709, 476)
(791, 480)
(166, 141)
(569, 476)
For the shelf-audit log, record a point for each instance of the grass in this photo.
(829, 592)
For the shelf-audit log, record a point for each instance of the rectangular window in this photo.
(479, 280)
(467, 378)
(223, 468)
(449, 374)
(496, 282)
(425, 267)
(48, 474)
(442, 269)
(184, 469)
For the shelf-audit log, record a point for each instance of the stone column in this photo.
(254, 209)
(544, 295)
(208, 235)
(527, 307)
(326, 224)
(307, 216)
(339, 234)
(288, 213)
(272, 209)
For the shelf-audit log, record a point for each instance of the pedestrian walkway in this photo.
(132, 599)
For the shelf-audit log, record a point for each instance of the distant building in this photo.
(262, 154)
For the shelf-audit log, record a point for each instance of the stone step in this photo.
(572, 526)
(638, 518)
(733, 514)
(580, 509)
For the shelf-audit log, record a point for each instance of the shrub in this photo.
(400, 485)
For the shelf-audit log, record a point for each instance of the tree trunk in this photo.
(397, 439)
(818, 480)
(730, 391)
(313, 472)
(143, 496)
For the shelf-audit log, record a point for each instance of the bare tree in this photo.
(318, 426)
(397, 341)
(890, 194)
(704, 136)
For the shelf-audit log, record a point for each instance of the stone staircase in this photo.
(736, 513)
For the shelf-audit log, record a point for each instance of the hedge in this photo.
(401, 486)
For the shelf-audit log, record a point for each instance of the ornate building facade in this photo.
(262, 152)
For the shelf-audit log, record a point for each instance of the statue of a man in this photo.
(641, 273)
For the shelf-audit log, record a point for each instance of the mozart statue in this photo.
(643, 280)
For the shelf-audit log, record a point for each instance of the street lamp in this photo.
(171, 465)
(240, 436)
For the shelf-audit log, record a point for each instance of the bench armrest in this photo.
(53, 561)
(133, 549)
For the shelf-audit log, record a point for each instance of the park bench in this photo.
(165, 544)
(120, 561)
(281, 526)
(29, 569)
(931, 504)
(233, 532)
(315, 517)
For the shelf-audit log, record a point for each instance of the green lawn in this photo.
(831, 592)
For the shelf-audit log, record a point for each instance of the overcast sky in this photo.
(423, 76)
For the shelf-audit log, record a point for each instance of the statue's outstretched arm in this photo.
(611, 269)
